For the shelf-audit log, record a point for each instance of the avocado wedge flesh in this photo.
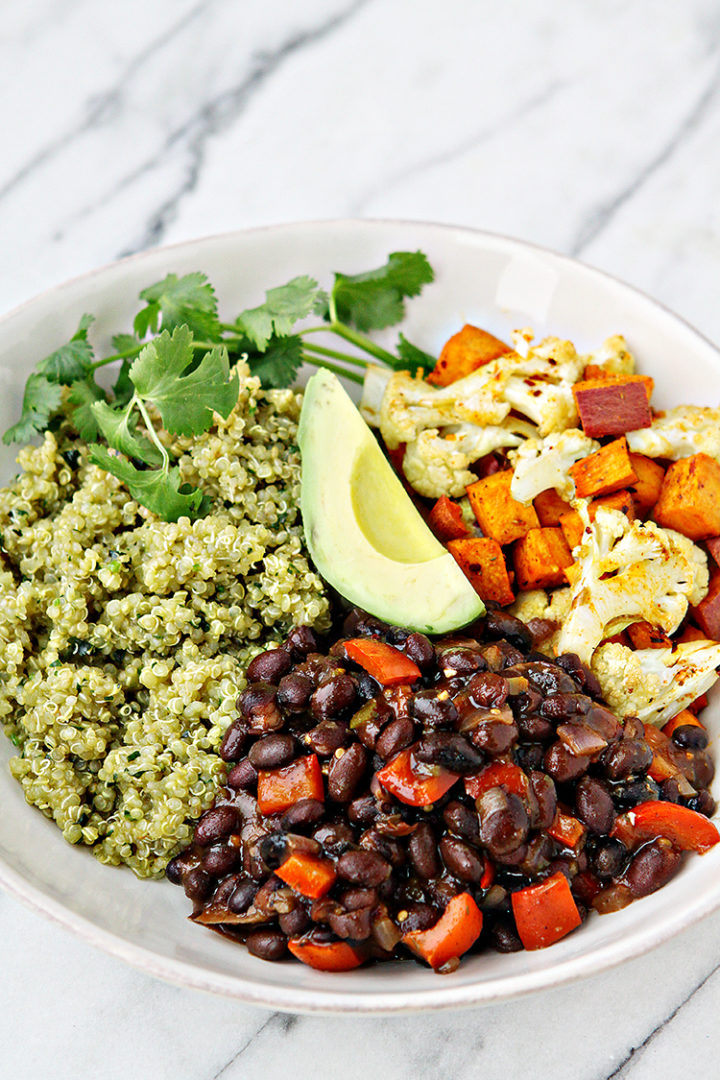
(364, 534)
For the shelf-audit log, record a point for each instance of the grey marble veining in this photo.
(593, 128)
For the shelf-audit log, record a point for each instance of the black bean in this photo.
(327, 737)
(500, 655)
(359, 898)
(198, 885)
(267, 944)
(294, 922)
(543, 789)
(418, 917)
(395, 737)
(396, 635)
(594, 805)
(346, 773)
(363, 868)
(530, 756)
(335, 838)
(389, 848)
(487, 689)
(363, 810)
(302, 813)
(548, 678)
(463, 821)
(359, 624)
(269, 666)
(242, 895)
(503, 937)
(225, 890)
(652, 867)
(181, 864)
(220, 859)
(690, 737)
(366, 686)
(460, 859)
(333, 697)
(608, 858)
(702, 769)
(564, 766)
(634, 792)
(604, 722)
(295, 691)
(540, 851)
(233, 741)
(273, 850)
(420, 649)
(493, 736)
(581, 674)
(563, 706)
(351, 924)
(216, 824)
(516, 857)
(258, 704)
(422, 849)
(670, 790)
(272, 751)
(504, 821)
(302, 641)
(433, 708)
(243, 775)
(534, 727)
(501, 624)
(629, 757)
(703, 802)
(450, 751)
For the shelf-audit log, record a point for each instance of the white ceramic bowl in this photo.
(496, 283)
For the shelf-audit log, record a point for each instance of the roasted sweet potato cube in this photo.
(612, 406)
(713, 546)
(646, 489)
(499, 515)
(707, 612)
(464, 352)
(698, 704)
(690, 497)
(550, 507)
(597, 371)
(483, 563)
(446, 520)
(540, 558)
(608, 469)
(646, 636)
(691, 633)
(573, 528)
(618, 500)
(618, 639)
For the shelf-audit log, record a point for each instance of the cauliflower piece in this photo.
(627, 571)
(538, 604)
(680, 432)
(374, 387)
(540, 464)
(655, 684)
(614, 356)
(436, 463)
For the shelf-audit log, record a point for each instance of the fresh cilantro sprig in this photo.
(175, 367)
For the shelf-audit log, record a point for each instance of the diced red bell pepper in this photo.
(326, 955)
(446, 520)
(385, 663)
(498, 774)
(457, 929)
(567, 830)
(279, 789)
(307, 874)
(545, 912)
(403, 779)
(684, 828)
(488, 875)
(682, 719)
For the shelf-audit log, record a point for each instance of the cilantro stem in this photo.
(136, 400)
(335, 368)
(355, 338)
(333, 353)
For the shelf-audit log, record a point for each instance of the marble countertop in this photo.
(591, 128)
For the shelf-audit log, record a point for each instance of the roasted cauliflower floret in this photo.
(540, 464)
(626, 571)
(436, 463)
(655, 684)
(373, 392)
(538, 604)
(678, 433)
(614, 357)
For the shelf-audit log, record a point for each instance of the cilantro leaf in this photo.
(83, 395)
(413, 357)
(73, 360)
(123, 388)
(124, 342)
(185, 398)
(375, 299)
(279, 364)
(41, 399)
(119, 426)
(188, 300)
(159, 490)
(283, 307)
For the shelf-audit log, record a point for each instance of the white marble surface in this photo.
(593, 128)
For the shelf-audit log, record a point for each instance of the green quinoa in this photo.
(123, 638)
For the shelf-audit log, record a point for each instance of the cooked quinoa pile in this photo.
(123, 638)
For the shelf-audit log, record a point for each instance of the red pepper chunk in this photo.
(452, 935)
(386, 664)
(684, 828)
(498, 774)
(307, 874)
(326, 955)
(545, 912)
(403, 780)
(566, 829)
(280, 789)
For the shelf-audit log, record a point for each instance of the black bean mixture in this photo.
(562, 769)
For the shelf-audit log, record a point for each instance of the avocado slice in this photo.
(364, 534)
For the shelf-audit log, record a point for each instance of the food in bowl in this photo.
(176, 387)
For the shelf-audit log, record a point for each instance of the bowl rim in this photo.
(395, 1001)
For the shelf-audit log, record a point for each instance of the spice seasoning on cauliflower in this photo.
(540, 464)
(125, 637)
(679, 433)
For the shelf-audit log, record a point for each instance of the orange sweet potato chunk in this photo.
(608, 469)
(483, 563)
(540, 558)
(550, 507)
(690, 497)
(596, 371)
(646, 489)
(500, 517)
(446, 520)
(613, 406)
(618, 500)
(464, 352)
(573, 528)
(646, 636)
